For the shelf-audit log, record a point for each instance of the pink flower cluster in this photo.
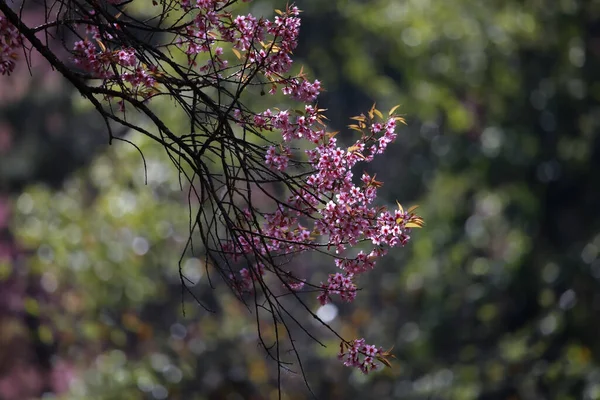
(300, 127)
(10, 43)
(102, 63)
(303, 91)
(277, 159)
(329, 209)
(339, 211)
(340, 284)
(245, 282)
(112, 66)
(362, 263)
(360, 355)
(263, 46)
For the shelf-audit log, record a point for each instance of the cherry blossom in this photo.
(10, 43)
(329, 209)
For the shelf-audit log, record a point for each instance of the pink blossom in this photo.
(359, 354)
(10, 41)
(327, 208)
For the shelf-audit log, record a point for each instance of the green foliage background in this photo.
(497, 298)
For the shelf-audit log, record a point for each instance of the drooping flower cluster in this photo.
(340, 284)
(277, 159)
(303, 90)
(361, 355)
(10, 43)
(112, 66)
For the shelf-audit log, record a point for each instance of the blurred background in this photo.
(497, 298)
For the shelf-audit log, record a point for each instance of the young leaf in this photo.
(400, 206)
(413, 208)
(372, 111)
(388, 353)
(400, 119)
(384, 361)
(393, 109)
(375, 183)
(102, 46)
